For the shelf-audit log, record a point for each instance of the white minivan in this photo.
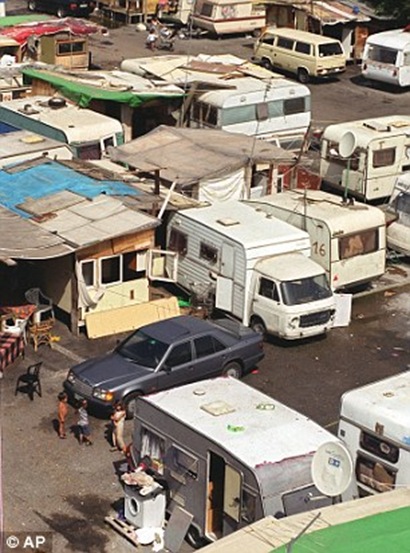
(305, 54)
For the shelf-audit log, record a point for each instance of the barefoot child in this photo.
(62, 414)
(83, 424)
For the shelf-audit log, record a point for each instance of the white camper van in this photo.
(222, 17)
(363, 158)
(256, 266)
(348, 239)
(398, 216)
(278, 110)
(230, 455)
(375, 426)
(386, 57)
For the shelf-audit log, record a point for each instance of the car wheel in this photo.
(60, 13)
(303, 76)
(195, 538)
(130, 404)
(258, 326)
(32, 6)
(266, 64)
(233, 369)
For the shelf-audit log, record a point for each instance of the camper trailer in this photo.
(398, 217)
(278, 110)
(255, 267)
(348, 239)
(374, 424)
(88, 133)
(222, 17)
(386, 57)
(229, 455)
(363, 158)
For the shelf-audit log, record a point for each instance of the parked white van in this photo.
(375, 426)
(305, 54)
(386, 57)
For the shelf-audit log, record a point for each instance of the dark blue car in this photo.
(163, 355)
(63, 8)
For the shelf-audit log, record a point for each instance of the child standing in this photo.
(62, 414)
(84, 424)
(118, 420)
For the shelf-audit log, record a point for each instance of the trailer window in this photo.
(236, 115)
(382, 54)
(153, 450)
(294, 105)
(208, 252)
(331, 49)
(286, 43)
(248, 511)
(384, 157)
(178, 242)
(204, 113)
(375, 475)
(207, 9)
(379, 447)
(185, 461)
(359, 244)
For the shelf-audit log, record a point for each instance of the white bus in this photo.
(277, 110)
(386, 57)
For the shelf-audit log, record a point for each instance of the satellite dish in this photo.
(332, 469)
(347, 144)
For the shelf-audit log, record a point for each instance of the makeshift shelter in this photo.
(208, 165)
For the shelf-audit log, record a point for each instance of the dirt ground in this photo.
(58, 486)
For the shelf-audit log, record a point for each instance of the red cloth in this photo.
(19, 311)
(10, 348)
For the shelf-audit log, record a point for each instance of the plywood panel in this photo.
(128, 318)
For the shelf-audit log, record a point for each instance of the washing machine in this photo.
(145, 510)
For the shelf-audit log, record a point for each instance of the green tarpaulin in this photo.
(384, 533)
(11, 20)
(82, 94)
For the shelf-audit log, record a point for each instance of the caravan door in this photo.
(225, 281)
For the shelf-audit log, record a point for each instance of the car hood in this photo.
(109, 370)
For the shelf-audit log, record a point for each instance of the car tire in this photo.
(303, 76)
(130, 404)
(61, 13)
(195, 538)
(233, 369)
(258, 326)
(266, 64)
(32, 6)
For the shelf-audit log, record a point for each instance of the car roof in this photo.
(176, 328)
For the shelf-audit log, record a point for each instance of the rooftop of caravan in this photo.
(274, 89)
(395, 38)
(77, 123)
(338, 216)
(367, 130)
(385, 402)
(242, 224)
(251, 425)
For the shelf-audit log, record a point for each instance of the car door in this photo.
(178, 367)
(211, 356)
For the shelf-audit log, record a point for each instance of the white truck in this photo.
(374, 424)
(363, 158)
(348, 239)
(255, 266)
(386, 57)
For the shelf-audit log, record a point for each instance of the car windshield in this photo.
(142, 349)
(305, 290)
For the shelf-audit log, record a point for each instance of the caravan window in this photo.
(187, 463)
(248, 512)
(384, 157)
(153, 447)
(375, 475)
(207, 9)
(294, 105)
(379, 447)
(178, 242)
(382, 54)
(358, 244)
(205, 113)
(209, 253)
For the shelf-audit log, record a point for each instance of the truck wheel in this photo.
(258, 326)
(233, 369)
(130, 404)
(303, 76)
(195, 538)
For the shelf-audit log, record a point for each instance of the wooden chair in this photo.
(40, 333)
(29, 382)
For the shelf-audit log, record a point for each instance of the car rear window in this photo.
(330, 49)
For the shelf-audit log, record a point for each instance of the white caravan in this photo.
(363, 158)
(386, 57)
(277, 110)
(255, 266)
(398, 217)
(375, 426)
(348, 239)
(229, 455)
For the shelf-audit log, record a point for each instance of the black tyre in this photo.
(258, 326)
(233, 369)
(195, 538)
(266, 64)
(303, 76)
(130, 404)
(32, 6)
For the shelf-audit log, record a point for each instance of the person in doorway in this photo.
(118, 419)
(62, 413)
(84, 436)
